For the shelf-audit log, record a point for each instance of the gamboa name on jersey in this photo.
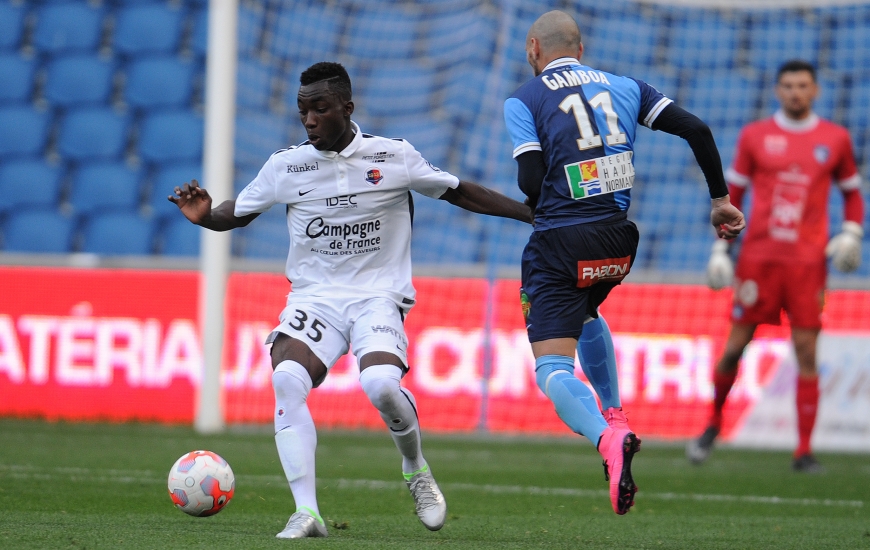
(601, 175)
(344, 239)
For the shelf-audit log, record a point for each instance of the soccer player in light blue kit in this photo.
(573, 129)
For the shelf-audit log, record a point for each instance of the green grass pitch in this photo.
(104, 486)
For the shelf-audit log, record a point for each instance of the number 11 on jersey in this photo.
(588, 138)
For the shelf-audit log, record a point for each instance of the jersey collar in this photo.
(561, 62)
(791, 125)
(351, 147)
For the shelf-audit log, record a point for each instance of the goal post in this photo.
(220, 108)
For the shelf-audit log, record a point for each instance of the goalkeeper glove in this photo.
(845, 248)
(720, 269)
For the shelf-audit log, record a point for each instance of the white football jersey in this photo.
(349, 214)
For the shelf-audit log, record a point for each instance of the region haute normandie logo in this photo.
(583, 179)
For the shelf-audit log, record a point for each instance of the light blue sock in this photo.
(598, 360)
(575, 403)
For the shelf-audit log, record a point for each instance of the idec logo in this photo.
(590, 272)
(374, 176)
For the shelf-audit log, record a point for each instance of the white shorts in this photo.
(332, 326)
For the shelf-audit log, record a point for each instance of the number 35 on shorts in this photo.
(307, 325)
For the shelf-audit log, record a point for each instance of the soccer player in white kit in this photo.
(349, 215)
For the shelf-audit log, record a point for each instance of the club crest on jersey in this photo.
(374, 176)
(821, 153)
(775, 144)
(600, 176)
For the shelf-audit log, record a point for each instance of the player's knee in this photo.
(381, 385)
(291, 381)
(550, 368)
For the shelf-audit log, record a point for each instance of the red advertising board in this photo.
(124, 345)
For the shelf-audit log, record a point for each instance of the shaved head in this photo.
(555, 34)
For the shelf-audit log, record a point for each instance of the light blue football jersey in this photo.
(584, 122)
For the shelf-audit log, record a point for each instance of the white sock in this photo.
(295, 435)
(398, 410)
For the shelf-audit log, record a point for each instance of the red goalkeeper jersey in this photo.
(790, 166)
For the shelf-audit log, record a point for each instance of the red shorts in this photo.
(762, 289)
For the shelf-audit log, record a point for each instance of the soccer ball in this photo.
(201, 483)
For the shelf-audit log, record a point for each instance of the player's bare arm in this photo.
(195, 203)
(477, 198)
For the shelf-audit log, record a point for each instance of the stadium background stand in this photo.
(101, 108)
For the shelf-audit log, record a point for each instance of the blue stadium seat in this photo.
(660, 159)
(431, 244)
(180, 237)
(306, 30)
(105, 186)
(159, 82)
(619, 42)
(117, 234)
(703, 39)
(250, 27)
(148, 28)
(68, 27)
(266, 237)
(726, 142)
(199, 36)
(79, 80)
(28, 183)
(25, 130)
(258, 135)
(859, 104)
(466, 35)
(850, 40)
(861, 143)
(686, 249)
(400, 88)
(16, 77)
(463, 91)
(432, 138)
(722, 98)
(11, 25)
(93, 133)
(171, 136)
(433, 212)
(255, 83)
(503, 241)
(39, 231)
(245, 173)
(663, 79)
(380, 33)
(643, 257)
(672, 203)
(777, 36)
(164, 182)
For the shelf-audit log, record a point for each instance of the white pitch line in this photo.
(566, 492)
(15, 471)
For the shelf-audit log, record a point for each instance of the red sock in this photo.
(721, 386)
(807, 406)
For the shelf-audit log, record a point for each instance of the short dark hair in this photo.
(796, 66)
(339, 81)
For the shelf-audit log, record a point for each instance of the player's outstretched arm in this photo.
(195, 203)
(479, 199)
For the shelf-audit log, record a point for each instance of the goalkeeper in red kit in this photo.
(790, 161)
